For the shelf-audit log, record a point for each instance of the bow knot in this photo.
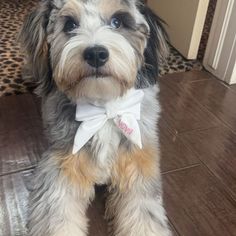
(124, 111)
(111, 112)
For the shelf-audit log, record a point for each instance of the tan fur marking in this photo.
(72, 8)
(80, 169)
(109, 7)
(45, 49)
(134, 166)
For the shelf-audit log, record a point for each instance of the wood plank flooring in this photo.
(198, 146)
(197, 204)
(233, 87)
(21, 133)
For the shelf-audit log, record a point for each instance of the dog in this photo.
(96, 64)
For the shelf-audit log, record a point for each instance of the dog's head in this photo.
(93, 48)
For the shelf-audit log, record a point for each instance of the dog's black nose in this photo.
(96, 56)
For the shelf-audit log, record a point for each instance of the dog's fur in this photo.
(64, 183)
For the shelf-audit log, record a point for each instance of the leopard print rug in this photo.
(12, 14)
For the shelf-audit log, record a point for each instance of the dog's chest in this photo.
(105, 143)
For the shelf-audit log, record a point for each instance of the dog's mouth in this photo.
(96, 74)
(93, 75)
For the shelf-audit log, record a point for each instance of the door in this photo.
(185, 21)
(220, 57)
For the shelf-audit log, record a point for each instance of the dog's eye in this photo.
(70, 25)
(115, 23)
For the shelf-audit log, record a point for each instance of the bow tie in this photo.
(124, 111)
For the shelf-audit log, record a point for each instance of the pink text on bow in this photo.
(125, 128)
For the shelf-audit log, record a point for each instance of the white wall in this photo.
(185, 19)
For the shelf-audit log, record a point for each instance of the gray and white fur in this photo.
(60, 38)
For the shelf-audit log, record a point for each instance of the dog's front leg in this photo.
(63, 188)
(135, 206)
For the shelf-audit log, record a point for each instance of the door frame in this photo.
(220, 56)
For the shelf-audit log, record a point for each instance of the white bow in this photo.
(125, 111)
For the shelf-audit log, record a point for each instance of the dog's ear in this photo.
(34, 42)
(157, 48)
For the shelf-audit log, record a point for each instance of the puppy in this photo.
(96, 63)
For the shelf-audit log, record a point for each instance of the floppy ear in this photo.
(34, 43)
(157, 48)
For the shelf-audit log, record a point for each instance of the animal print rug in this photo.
(12, 14)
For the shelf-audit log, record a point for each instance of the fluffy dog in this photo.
(96, 63)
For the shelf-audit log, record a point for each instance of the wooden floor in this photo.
(198, 142)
